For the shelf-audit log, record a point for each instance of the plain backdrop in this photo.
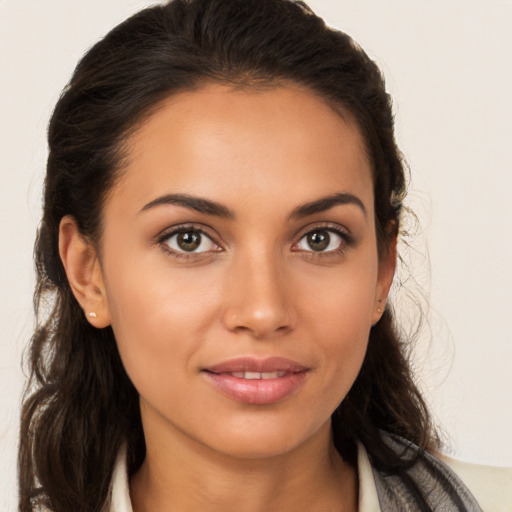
(447, 65)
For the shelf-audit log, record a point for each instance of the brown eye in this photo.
(321, 240)
(318, 240)
(190, 240)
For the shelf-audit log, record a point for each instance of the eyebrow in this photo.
(192, 203)
(209, 207)
(326, 203)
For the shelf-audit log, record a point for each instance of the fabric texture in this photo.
(428, 484)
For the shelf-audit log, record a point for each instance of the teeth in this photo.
(258, 375)
(272, 375)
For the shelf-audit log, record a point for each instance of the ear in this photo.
(84, 272)
(387, 266)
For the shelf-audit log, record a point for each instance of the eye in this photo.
(190, 241)
(320, 240)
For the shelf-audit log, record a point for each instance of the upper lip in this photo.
(252, 364)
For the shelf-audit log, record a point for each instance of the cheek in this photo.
(158, 317)
(340, 303)
(338, 316)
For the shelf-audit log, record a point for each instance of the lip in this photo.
(252, 364)
(256, 391)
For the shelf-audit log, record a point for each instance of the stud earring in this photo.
(92, 314)
(379, 311)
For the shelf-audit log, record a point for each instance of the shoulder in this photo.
(440, 482)
(491, 486)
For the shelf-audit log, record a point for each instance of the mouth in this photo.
(255, 381)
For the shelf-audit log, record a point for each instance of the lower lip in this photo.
(256, 391)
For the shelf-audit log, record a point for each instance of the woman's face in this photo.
(240, 267)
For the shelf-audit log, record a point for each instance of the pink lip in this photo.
(256, 391)
(251, 364)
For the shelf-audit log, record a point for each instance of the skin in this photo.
(255, 288)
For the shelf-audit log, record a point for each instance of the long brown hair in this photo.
(80, 405)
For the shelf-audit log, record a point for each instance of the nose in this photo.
(258, 298)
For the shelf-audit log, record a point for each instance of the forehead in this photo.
(226, 142)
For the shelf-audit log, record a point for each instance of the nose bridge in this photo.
(258, 299)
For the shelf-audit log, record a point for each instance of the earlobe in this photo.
(84, 273)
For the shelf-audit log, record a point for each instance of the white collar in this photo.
(368, 498)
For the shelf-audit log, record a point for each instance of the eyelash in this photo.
(185, 256)
(346, 241)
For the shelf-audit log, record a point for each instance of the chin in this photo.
(266, 438)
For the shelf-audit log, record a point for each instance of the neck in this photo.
(180, 474)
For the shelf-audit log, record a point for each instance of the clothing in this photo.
(485, 488)
(445, 484)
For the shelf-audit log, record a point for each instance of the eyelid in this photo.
(184, 226)
(326, 226)
(338, 229)
(167, 233)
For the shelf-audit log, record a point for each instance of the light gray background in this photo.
(447, 64)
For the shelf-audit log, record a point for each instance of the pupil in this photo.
(319, 241)
(189, 240)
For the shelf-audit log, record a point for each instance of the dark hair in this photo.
(80, 405)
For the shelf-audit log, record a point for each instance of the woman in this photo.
(222, 206)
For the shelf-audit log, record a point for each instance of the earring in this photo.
(92, 314)
(379, 311)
